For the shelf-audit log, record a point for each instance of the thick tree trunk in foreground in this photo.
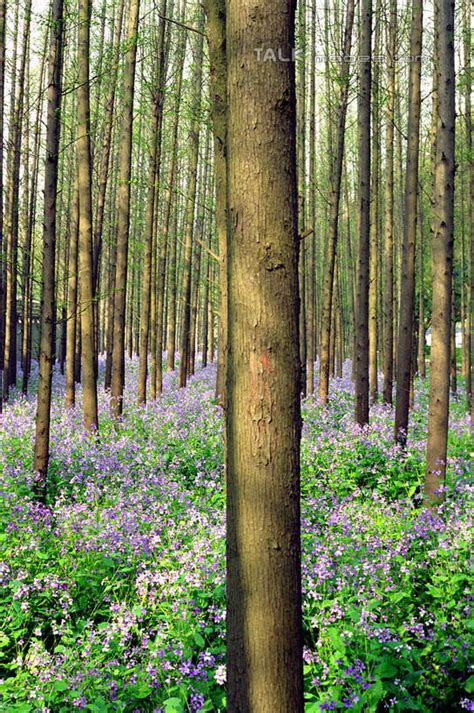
(362, 316)
(41, 456)
(442, 252)
(407, 277)
(263, 373)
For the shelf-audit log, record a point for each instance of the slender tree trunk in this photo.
(421, 302)
(310, 315)
(374, 218)
(193, 143)
(15, 140)
(301, 174)
(123, 210)
(467, 83)
(154, 165)
(453, 376)
(72, 303)
(407, 276)
(362, 317)
(442, 255)
(106, 147)
(336, 177)
(216, 35)
(389, 200)
(41, 455)
(3, 20)
(264, 642)
(84, 182)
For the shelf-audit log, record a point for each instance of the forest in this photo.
(236, 338)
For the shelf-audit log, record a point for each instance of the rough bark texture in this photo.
(123, 210)
(41, 456)
(407, 276)
(362, 317)
(389, 222)
(263, 374)
(442, 255)
(84, 183)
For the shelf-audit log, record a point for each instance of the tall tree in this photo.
(3, 20)
(123, 210)
(196, 83)
(389, 207)
(363, 120)
(216, 35)
(41, 455)
(153, 172)
(407, 276)
(12, 212)
(264, 643)
(335, 182)
(84, 182)
(442, 254)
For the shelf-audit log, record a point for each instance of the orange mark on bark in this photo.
(266, 362)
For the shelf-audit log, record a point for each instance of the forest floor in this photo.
(112, 596)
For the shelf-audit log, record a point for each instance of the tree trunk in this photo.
(407, 276)
(193, 143)
(71, 328)
(41, 455)
(389, 199)
(84, 182)
(123, 210)
(215, 10)
(336, 177)
(3, 19)
(154, 164)
(12, 213)
(442, 255)
(362, 317)
(264, 642)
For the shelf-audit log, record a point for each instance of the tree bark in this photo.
(336, 177)
(41, 454)
(193, 143)
(84, 182)
(216, 35)
(123, 210)
(154, 165)
(389, 200)
(407, 276)
(362, 317)
(442, 255)
(264, 642)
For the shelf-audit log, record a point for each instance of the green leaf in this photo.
(199, 639)
(386, 670)
(60, 685)
(469, 685)
(140, 690)
(173, 705)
